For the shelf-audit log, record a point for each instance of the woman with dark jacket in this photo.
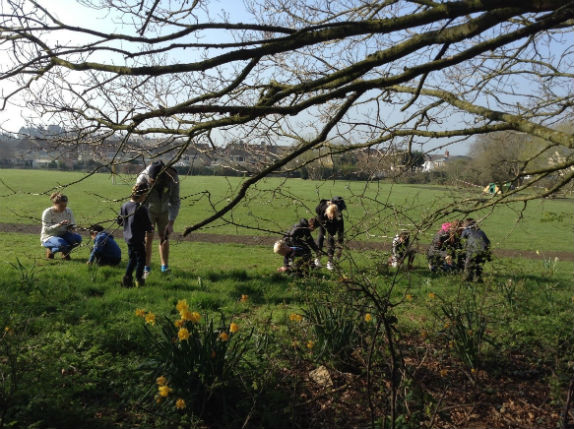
(330, 218)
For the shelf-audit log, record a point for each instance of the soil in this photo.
(262, 240)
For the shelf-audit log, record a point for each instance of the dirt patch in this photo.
(263, 240)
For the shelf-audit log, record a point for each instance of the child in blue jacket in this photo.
(105, 251)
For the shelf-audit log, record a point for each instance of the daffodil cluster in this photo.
(148, 316)
(186, 315)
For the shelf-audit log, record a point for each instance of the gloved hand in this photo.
(317, 262)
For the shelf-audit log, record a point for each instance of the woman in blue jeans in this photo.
(57, 228)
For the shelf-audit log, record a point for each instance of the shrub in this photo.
(335, 332)
(464, 329)
(197, 363)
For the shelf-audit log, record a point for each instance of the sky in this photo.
(70, 11)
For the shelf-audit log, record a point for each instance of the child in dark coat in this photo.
(477, 250)
(445, 250)
(134, 217)
(297, 243)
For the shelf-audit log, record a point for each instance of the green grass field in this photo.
(274, 204)
(82, 348)
(73, 353)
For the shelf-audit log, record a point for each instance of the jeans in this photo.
(63, 243)
(136, 260)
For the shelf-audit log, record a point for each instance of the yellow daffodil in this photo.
(180, 404)
(295, 317)
(310, 344)
(179, 323)
(447, 325)
(432, 295)
(368, 317)
(182, 306)
(409, 297)
(140, 312)
(233, 328)
(244, 298)
(193, 317)
(183, 334)
(161, 381)
(473, 370)
(224, 337)
(150, 318)
(164, 391)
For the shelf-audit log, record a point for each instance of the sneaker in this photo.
(66, 257)
(147, 271)
(330, 266)
(140, 282)
(49, 254)
(127, 281)
(165, 269)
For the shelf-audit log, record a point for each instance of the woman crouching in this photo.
(57, 228)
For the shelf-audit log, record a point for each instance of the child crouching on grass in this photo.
(402, 251)
(297, 243)
(289, 254)
(106, 251)
(134, 217)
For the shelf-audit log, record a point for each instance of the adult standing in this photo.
(330, 218)
(163, 204)
(57, 228)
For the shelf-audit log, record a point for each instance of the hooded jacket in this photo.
(300, 236)
(105, 247)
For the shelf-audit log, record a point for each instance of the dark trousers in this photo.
(103, 260)
(136, 260)
(330, 242)
(473, 266)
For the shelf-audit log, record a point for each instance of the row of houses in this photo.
(61, 151)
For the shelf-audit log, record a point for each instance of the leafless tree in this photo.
(414, 73)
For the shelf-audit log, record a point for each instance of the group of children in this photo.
(457, 246)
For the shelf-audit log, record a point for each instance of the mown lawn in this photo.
(375, 210)
(82, 357)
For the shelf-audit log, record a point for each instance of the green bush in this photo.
(197, 363)
(464, 329)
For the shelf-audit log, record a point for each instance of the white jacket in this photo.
(50, 222)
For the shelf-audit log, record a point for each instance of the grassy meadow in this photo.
(375, 210)
(78, 350)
